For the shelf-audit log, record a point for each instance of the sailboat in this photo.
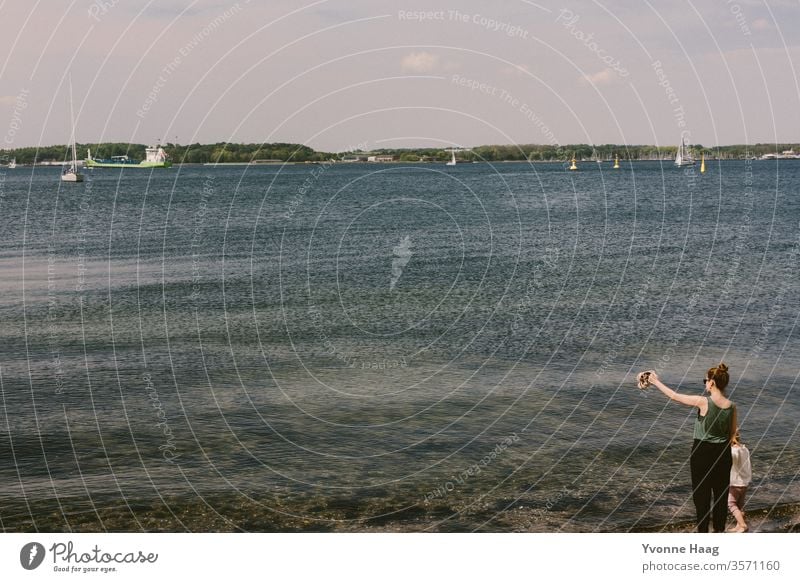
(452, 161)
(616, 163)
(12, 164)
(684, 156)
(574, 165)
(702, 163)
(70, 173)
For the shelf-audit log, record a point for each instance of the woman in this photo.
(710, 462)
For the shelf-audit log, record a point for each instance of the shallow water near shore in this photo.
(364, 346)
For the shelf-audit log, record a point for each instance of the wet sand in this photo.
(227, 513)
(777, 519)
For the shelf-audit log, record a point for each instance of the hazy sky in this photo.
(338, 74)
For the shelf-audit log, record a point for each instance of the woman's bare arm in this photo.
(697, 401)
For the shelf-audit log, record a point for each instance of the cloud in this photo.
(419, 62)
(604, 77)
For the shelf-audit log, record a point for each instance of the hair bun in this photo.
(722, 367)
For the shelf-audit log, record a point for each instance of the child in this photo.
(740, 479)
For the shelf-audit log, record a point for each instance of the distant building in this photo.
(784, 155)
(380, 159)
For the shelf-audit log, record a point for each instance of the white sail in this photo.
(684, 156)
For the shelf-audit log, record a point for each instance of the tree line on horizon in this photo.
(225, 152)
(222, 152)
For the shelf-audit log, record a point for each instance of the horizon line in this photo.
(466, 148)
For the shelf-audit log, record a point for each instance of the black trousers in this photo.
(711, 475)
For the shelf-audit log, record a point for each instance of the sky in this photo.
(339, 75)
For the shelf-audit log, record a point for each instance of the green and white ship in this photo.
(156, 157)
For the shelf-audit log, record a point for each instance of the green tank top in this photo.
(715, 426)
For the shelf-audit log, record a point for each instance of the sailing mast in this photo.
(71, 173)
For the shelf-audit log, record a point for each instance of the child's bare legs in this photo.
(735, 505)
(741, 524)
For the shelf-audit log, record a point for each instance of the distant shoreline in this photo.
(281, 153)
(665, 161)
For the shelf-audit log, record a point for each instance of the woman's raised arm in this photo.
(697, 401)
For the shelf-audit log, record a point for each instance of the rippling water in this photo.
(356, 345)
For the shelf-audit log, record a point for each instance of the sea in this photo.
(390, 347)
